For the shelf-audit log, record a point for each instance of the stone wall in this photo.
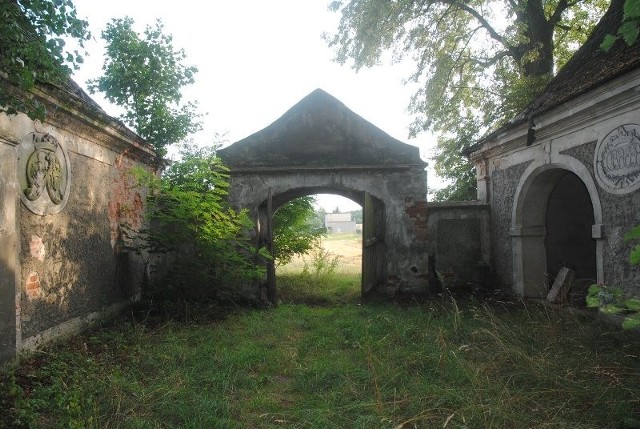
(67, 193)
(502, 198)
(459, 238)
(620, 213)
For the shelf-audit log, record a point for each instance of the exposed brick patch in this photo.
(417, 212)
(36, 248)
(126, 205)
(32, 285)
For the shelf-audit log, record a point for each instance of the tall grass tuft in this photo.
(448, 362)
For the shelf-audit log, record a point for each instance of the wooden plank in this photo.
(561, 285)
(271, 267)
(368, 246)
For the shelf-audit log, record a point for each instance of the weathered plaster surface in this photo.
(9, 262)
(459, 237)
(620, 212)
(503, 194)
(69, 265)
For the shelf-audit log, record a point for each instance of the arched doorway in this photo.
(373, 234)
(569, 219)
(555, 224)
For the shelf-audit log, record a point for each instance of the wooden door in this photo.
(271, 267)
(369, 246)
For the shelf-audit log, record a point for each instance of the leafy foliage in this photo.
(612, 300)
(630, 27)
(33, 49)
(207, 242)
(478, 62)
(294, 229)
(634, 234)
(145, 75)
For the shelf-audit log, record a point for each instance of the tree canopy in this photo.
(33, 49)
(145, 75)
(295, 231)
(478, 62)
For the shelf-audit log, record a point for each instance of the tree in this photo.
(294, 229)
(33, 49)
(191, 221)
(629, 28)
(357, 215)
(478, 62)
(146, 76)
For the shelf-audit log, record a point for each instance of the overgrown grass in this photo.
(472, 363)
(322, 277)
(318, 279)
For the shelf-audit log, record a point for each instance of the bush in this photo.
(205, 241)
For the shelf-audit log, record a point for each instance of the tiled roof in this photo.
(589, 67)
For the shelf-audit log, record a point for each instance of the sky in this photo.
(255, 60)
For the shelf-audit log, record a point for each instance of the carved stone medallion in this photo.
(617, 160)
(44, 173)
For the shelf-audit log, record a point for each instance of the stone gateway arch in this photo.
(320, 146)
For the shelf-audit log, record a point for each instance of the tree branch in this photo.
(560, 8)
(481, 19)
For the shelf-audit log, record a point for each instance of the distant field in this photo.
(330, 275)
(347, 247)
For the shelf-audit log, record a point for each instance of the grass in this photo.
(328, 275)
(448, 362)
(443, 363)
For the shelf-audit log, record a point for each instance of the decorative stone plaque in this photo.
(617, 160)
(44, 173)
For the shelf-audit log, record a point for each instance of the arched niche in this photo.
(555, 204)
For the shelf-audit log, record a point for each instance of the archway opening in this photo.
(326, 266)
(569, 219)
(553, 229)
(350, 260)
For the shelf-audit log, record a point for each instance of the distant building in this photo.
(339, 223)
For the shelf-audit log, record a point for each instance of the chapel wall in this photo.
(68, 180)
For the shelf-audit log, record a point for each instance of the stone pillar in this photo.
(9, 263)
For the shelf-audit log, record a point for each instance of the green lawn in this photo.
(466, 363)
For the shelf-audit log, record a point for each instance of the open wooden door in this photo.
(369, 244)
(271, 266)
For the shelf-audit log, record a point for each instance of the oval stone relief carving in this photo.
(44, 173)
(617, 160)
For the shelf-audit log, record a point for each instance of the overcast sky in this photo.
(256, 59)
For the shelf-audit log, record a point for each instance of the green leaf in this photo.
(631, 322)
(608, 42)
(632, 304)
(634, 256)
(629, 32)
(593, 302)
(594, 289)
(631, 9)
(612, 309)
(633, 234)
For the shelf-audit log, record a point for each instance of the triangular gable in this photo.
(320, 131)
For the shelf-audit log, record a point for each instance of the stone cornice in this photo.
(603, 102)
